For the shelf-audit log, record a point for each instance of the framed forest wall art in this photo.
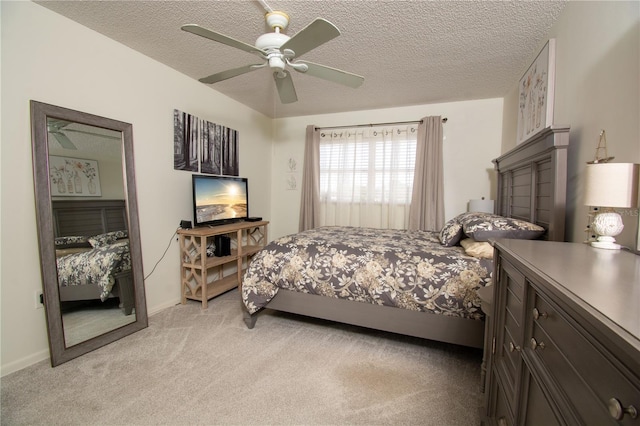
(219, 150)
(186, 131)
(536, 94)
(200, 145)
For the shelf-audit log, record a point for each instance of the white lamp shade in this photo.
(483, 206)
(612, 185)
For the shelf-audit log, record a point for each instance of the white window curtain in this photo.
(366, 176)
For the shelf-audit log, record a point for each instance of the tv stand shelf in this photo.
(203, 277)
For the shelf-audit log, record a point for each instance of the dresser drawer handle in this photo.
(537, 314)
(535, 345)
(513, 347)
(617, 411)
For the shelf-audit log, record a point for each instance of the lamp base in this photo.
(606, 245)
(607, 225)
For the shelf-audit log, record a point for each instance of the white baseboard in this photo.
(25, 362)
(170, 304)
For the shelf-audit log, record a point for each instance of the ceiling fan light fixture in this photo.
(271, 41)
(275, 61)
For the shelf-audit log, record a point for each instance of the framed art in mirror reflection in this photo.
(74, 177)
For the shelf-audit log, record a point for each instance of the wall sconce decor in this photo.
(610, 185)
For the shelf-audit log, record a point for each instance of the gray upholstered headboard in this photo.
(532, 181)
(88, 217)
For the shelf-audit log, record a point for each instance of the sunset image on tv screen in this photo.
(220, 200)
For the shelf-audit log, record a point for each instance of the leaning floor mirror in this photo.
(88, 229)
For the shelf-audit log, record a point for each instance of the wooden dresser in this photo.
(564, 339)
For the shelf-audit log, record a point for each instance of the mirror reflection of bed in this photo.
(94, 267)
(90, 229)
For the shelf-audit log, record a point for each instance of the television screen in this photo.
(219, 199)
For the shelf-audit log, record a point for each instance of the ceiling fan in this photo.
(58, 128)
(279, 51)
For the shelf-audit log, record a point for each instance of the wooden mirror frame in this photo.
(40, 112)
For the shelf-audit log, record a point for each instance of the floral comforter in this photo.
(95, 266)
(405, 269)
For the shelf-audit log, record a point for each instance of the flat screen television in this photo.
(218, 200)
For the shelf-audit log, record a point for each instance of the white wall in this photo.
(49, 58)
(597, 87)
(472, 138)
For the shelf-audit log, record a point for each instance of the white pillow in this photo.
(480, 249)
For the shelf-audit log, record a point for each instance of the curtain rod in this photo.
(444, 120)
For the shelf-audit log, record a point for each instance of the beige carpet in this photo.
(205, 367)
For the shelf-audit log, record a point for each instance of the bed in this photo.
(92, 252)
(419, 283)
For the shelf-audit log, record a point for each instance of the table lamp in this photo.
(609, 186)
(482, 205)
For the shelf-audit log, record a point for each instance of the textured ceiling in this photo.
(410, 52)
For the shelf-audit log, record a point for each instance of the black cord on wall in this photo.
(163, 254)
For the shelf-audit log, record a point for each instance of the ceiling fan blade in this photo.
(285, 87)
(313, 35)
(332, 74)
(63, 140)
(54, 124)
(214, 78)
(94, 134)
(220, 38)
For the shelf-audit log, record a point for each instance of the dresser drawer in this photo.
(502, 409)
(508, 364)
(590, 378)
(538, 410)
(514, 311)
(508, 360)
(515, 279)
(515, 286)
(511, 345)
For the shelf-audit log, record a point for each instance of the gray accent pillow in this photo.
(483, 226)
(72, 241)
(107, 239)
(451, 233)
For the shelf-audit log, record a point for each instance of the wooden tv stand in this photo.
(203, 277)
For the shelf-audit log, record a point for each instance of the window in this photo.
(366, 176)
